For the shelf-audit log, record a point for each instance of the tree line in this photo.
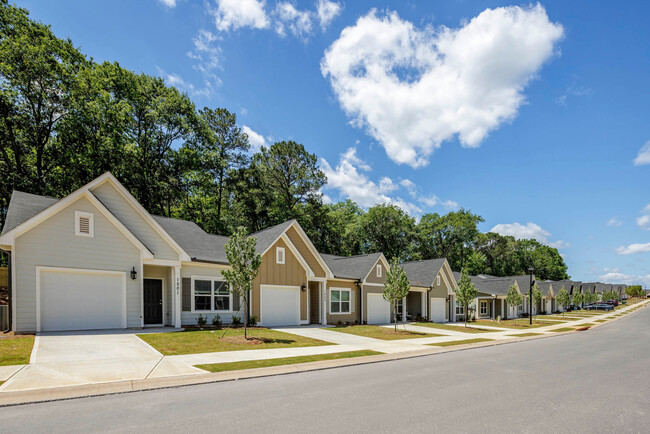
(66, 119)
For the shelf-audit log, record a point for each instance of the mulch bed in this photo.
(398, 332)
(12, 335)
(239, 340)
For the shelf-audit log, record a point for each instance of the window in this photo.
(483, 308)
(279, 255)
(211, 295)
(400, 306)
(339, 301)
(460, 310)
(379, 270)
(438, 280)
(84, 224)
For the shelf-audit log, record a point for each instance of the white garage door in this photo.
(378, 309)
(438, 309)
(280, 306)
(76, 300)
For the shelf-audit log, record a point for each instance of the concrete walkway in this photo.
(69, 359)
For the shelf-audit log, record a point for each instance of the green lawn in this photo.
(376, 332)
(461, 342)
(521, 323)
(251, 364)
(586, 324)
(458, 328)
(523, 335)
(210, 341)
(563, 329)
(16, 351)
(601, 320)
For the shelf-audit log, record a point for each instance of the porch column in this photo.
(404, 309)
(493, 309)
(323, 304)
(176, 296)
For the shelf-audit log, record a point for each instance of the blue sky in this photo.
(532, 115)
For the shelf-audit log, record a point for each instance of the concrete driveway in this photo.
(74, 358)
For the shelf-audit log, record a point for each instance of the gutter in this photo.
(428, 302)
(194, 259)
(358, 283)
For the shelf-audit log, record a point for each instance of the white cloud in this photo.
(233, 14)
(327, 11)
(522, 232)
(255, 139)
(450, 205)
(626, 279)
(168, 3)
(414, 88)
(296, 21)
(559, 244)
(349, 178)
(206, 60)
(644, 220)
(633, 249)
(614, 222)
(643, 157)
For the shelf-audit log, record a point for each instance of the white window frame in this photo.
(280, 252)
(340, 302)
(380, 270)
(438, 280)
(91, 224)
(400, 307)
(212, 295)
(481, 304)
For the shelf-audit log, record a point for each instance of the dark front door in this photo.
(153, 306)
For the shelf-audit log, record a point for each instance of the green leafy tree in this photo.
(465, 293)
(475, 263)
(514, 298)
(589, 297)
(387, 228)
(244, 266)
(635, 291)
(397, 286)
(577, 299)
(564, 299)
(537, 298)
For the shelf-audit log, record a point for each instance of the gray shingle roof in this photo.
(351, 267)
(492, 285)
(588, 286)
(567, 284)
(544, 287)
(423, 273)
(24, 206)
(602, 287)
(200, 245)
(266, 237)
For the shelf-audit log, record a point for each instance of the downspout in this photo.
(428, 302)
(10, 290)
(358, 282)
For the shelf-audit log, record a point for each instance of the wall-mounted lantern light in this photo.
(134, 274)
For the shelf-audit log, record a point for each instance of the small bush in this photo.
(201, 320)
(216, 321)
(252, 321)
(339, 322)
(236, 321)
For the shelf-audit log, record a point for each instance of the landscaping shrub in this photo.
(216, 321)
(201, 320)
(252, 321)
(236, 321)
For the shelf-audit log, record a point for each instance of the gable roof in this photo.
(544, 287)
(267, 237)
(24, 206)
(200, 245)
(423, 273)
(492, 286)
(351, 267)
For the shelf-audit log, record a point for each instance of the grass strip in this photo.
(563, 329)
(523, 335)
(462, 342)
(458, 328)
(16, 351)
(252, 364)
(600, 320)
(385, 333)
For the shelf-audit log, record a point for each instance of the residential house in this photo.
(433, 290)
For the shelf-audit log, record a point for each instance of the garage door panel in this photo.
(438, 310)
(73, 300)
(378, 309)
(280, 306)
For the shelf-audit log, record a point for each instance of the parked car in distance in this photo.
(599, 306)
(611, 302)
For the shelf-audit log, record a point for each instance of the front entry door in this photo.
(153, 305)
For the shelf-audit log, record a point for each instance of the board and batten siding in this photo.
(305, 252)
(53, 243)
(372, 276)
(156, 272)
(132, 219)
(334, 318)
(291, 273)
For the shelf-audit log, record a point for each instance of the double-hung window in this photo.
(483, 308)
(211, 295)
(400, 306)
(339, 300)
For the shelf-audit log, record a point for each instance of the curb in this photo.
(8, 399)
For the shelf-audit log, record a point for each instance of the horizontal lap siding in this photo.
(206, 270)
(53, 243)
(291, 273)
(142, 229)
(334, 318)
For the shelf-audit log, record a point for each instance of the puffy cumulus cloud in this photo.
(528, 231)
(559, 244)
(626, 279)
(350, 179)
(295, 21)
(644, 220)
(643, 157)
(255, 139)
(233, 14)
(327, 11)
(633, 249)
(614, 222)
(413, 88)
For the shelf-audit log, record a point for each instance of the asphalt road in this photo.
(594, 381)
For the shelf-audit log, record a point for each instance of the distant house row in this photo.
(492, 291)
